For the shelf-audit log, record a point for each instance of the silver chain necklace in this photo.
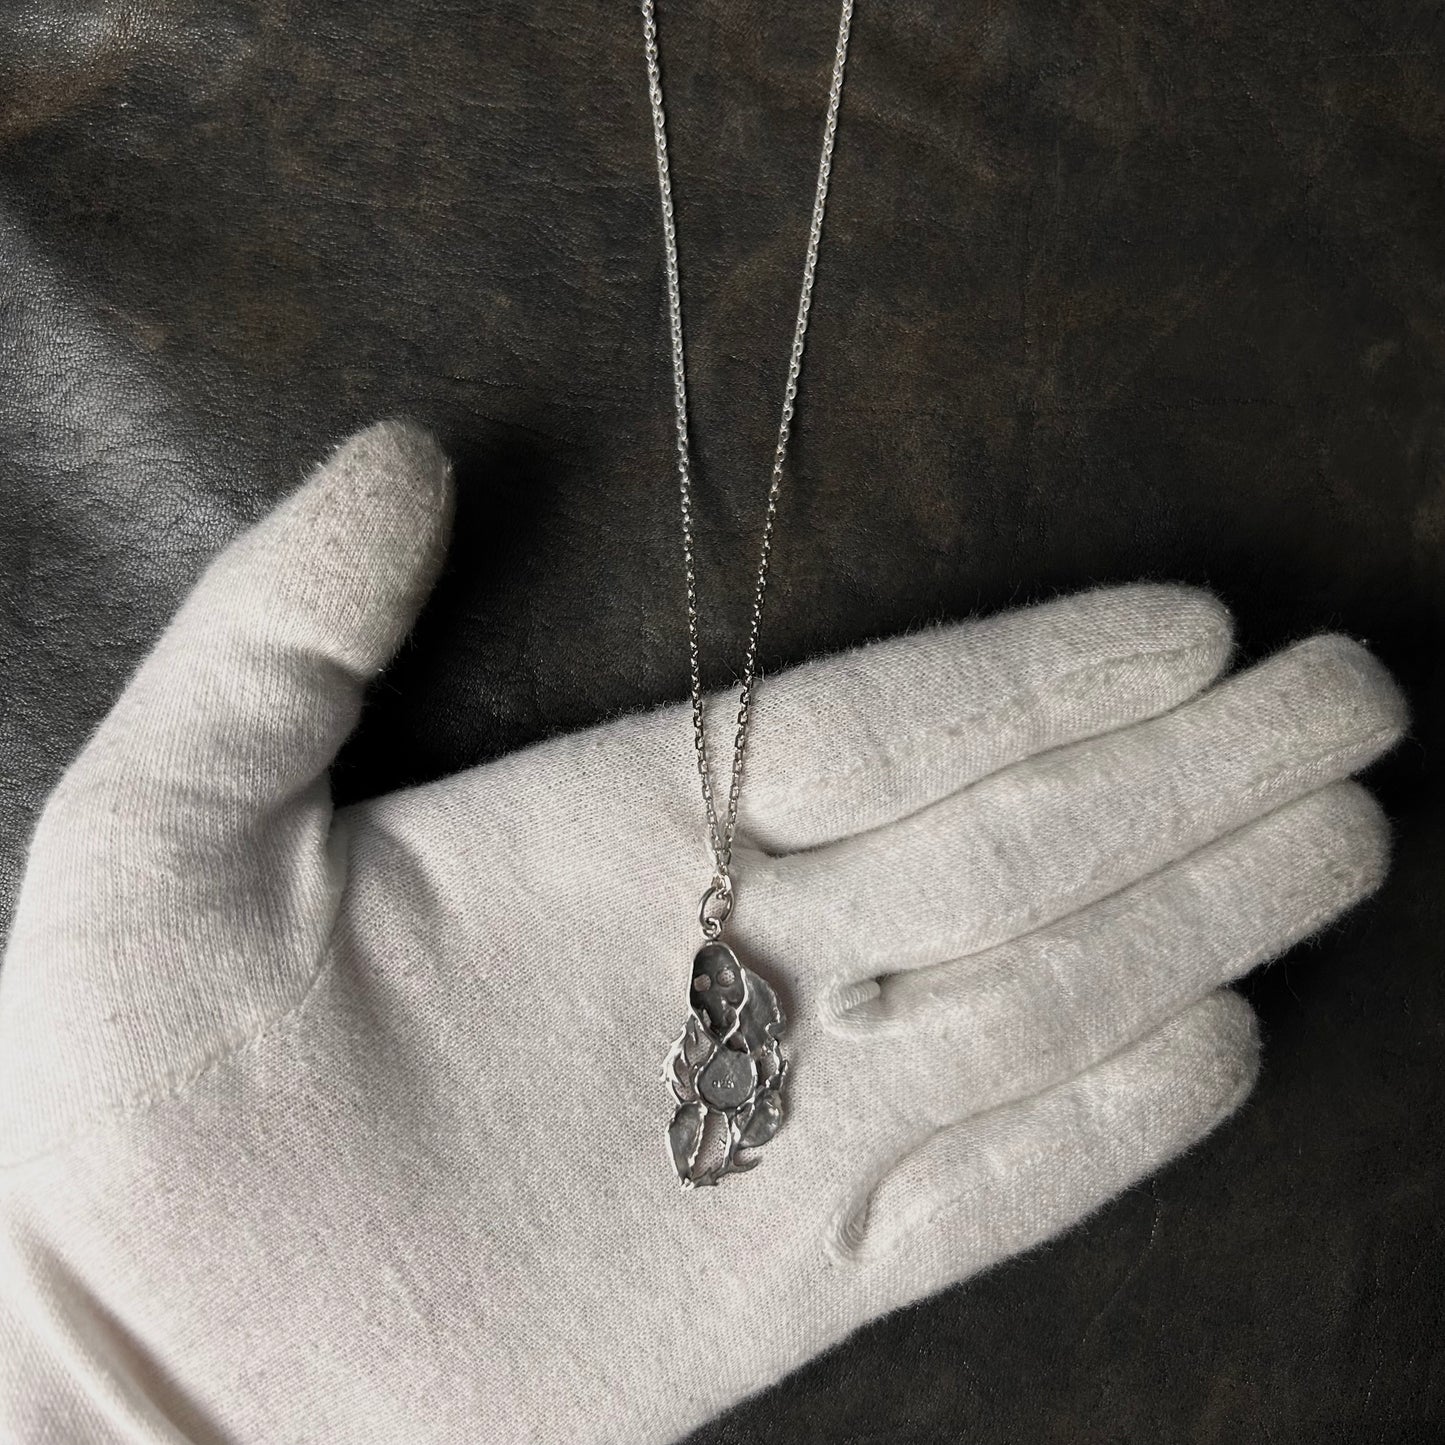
(726, 1070)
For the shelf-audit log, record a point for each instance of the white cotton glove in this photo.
(350, 1127)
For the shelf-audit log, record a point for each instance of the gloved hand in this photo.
(349, 1127)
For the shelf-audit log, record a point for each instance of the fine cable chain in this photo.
(721, 839)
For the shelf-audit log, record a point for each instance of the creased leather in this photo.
(1105, 293)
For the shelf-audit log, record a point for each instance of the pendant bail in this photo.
(719, 892)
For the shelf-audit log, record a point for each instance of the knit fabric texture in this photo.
(348, 1125)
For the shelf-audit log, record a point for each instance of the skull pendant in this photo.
(726, 1070)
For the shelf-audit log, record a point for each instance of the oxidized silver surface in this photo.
(726, 1070)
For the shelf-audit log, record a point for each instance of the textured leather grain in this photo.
(1107, 292)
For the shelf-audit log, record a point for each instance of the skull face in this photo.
(725, 1069)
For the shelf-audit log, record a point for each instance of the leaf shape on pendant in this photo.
(684, 1136)
(765, 1121)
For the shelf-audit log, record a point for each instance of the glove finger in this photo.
(901, 723)
(861, 738)
(1056, 833)
(244, 699)
(944, 1042)
(999, 1183)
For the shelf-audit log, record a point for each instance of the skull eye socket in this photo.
(702, 983)
(725, 978)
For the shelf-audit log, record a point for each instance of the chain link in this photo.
(720, 838)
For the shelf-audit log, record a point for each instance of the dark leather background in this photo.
(1108, 291)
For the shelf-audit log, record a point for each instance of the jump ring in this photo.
(719, 891)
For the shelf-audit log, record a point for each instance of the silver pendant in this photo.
(726, 1070)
